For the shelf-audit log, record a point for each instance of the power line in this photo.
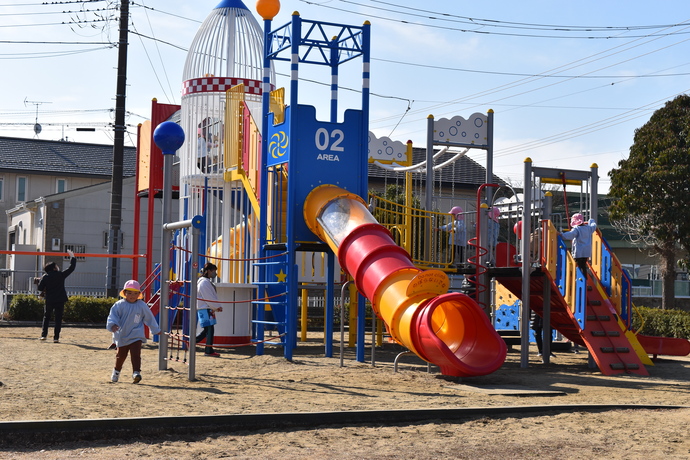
(44, 54)
(160, 58)
(90, 21)
(35, 13)
(159, 40)
(28, 42)
(165, 12)
(484, 32)
(517, 74)
(498, 23)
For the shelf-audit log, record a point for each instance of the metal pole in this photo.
(546, 314)
(526, 230)
(342, 319)
(594, 193)
(429, 180)
(490, 156)
(196, 231)
(118, 154)
(166, 236)
(373, 337)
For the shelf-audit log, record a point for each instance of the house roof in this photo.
(62, 158)
(465, 172)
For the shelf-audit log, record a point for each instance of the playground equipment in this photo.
(594, 311)
(290, 184)
(447, 329)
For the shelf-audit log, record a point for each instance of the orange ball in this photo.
(268, 9)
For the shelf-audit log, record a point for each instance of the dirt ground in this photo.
(71, 380)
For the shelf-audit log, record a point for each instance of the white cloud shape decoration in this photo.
(386, 150)
(473, 131)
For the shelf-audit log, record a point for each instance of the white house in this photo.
(76, 220)
(55, 196)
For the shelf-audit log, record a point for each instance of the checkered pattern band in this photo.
(219, 84)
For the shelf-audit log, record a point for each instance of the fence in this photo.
(652, 288)
(91, 284)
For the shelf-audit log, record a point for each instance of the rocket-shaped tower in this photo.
(227, 51)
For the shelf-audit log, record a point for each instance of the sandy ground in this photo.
(71, 380)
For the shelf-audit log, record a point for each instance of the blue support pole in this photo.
(334, 80)
(361, 325)
(366, 60)
(330, 303)
(292, 298)
(263, 188)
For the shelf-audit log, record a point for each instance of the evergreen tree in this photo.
(652, 189)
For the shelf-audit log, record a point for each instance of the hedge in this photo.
(81, 309)
(78, 309)
(662, 323)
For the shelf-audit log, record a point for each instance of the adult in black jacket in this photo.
(52, 285)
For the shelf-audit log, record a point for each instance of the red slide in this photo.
(664, 345)
(446, 329)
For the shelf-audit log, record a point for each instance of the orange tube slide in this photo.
(446, 329)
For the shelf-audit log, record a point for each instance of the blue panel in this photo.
(626, 304)
(554, 336)
(507, 317)
(561, 258)
(323, 153)
(606, 269)
(279, 145)
(580, 298)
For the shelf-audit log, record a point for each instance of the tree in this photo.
(652, 189)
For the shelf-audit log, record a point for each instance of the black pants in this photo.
(581, 263)
(47, 313)
(207, 334)
(458, 255)
(538, 327)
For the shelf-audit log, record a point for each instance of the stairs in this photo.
(605, 336)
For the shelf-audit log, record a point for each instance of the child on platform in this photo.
(581, 234)
(126, 321)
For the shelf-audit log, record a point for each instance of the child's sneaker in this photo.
(212, 354)
(42, 338)
(136, 377)
(115, 377)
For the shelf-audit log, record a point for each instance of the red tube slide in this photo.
(446, 329)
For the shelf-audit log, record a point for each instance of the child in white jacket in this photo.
(126, 321)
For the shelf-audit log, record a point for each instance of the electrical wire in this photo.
(160, 58)
(483, 32)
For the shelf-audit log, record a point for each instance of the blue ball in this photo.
(168, 136)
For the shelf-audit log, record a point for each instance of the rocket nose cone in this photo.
(231, 4)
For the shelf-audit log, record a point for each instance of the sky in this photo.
(569, 82)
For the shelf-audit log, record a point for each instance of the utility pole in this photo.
(112, 282)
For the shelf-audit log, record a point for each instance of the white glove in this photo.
(71, 254)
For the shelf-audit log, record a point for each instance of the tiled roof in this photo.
(465, 172)
(57, 157)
